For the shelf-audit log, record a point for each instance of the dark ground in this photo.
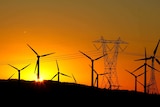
(71, 94)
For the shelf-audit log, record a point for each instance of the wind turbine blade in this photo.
(36, 67)
(64, 74)
(157, 61)
(145, 53)
(149, 85)
(144, 58)
(153, 68)
(85, 55)
(95, 81)
(33, 50)
(139, 59)
(100, 57)
(140, 74)
(130, 72)
(138, 68)
(11, 76)
(13, 67)
(94, 70)
(140, 83)
(103, 73)
(74, 78)
(46, 54)
(54, 76)
(154, 53)
(25, 66)
(57, 65)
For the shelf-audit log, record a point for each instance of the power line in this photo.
(59, 57)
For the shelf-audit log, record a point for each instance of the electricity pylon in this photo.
(110, 61)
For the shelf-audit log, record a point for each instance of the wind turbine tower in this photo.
(110, 61)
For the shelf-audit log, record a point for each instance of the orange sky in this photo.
(65, 27)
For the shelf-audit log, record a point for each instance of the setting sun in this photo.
(39, 80)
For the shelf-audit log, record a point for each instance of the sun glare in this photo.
(39, 80)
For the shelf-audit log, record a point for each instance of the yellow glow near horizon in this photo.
(39, 80)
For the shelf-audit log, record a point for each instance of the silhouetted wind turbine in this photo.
(92, 61)
(19, 70)
(58, 73)
(145, 67)
(135, 79)
(38, 61)
(97, 77)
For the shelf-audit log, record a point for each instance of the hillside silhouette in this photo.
(53, 91)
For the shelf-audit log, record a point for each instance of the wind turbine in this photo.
(152, 77)
(135, 76)
(38, 61)
(92, 61)
(145, 67)
(97, 77)
(19, 70)
(58, 73)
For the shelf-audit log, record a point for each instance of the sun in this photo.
(39, 80)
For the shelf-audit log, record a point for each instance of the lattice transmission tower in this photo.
(110, 61)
